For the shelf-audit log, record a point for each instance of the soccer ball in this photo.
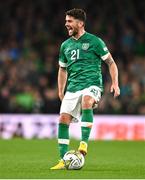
(73, 160)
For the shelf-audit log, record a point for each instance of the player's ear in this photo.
(81, 23)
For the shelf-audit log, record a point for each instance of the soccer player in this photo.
(80, 80)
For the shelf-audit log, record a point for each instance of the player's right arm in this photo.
(62, 73)
(62, 79)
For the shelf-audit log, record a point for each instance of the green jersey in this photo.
(82, 59)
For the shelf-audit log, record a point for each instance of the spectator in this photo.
(30, 35)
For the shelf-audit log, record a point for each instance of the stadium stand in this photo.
(30, 36)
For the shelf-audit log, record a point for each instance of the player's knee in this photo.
(87, 102)
(65, 119)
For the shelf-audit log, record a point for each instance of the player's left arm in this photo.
(114, 75)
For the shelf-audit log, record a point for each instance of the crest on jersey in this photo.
(85, 46)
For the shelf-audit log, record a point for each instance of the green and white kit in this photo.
(82, 59)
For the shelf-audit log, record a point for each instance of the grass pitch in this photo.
(21, 158)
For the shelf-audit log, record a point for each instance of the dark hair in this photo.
(77, 14)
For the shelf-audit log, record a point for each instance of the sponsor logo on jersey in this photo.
(85, 46)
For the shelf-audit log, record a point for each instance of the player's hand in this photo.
(61, 96)
(115, 89)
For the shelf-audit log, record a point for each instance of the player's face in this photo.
(72, 25)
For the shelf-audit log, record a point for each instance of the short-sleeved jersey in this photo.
(82, 59)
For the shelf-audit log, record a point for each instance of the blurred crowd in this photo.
(30, 36)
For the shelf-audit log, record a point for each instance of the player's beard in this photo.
(74, 32)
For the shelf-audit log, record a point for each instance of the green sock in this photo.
(63, 139)
(87, 121)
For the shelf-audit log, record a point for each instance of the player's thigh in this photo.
(87, 102)
(92, 95)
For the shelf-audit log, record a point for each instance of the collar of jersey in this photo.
(79, 37)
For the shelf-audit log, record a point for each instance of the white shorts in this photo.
(71, 103)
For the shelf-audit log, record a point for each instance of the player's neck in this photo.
(80, 33)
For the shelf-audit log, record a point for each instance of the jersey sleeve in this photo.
(62, 58)
(102, 49)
